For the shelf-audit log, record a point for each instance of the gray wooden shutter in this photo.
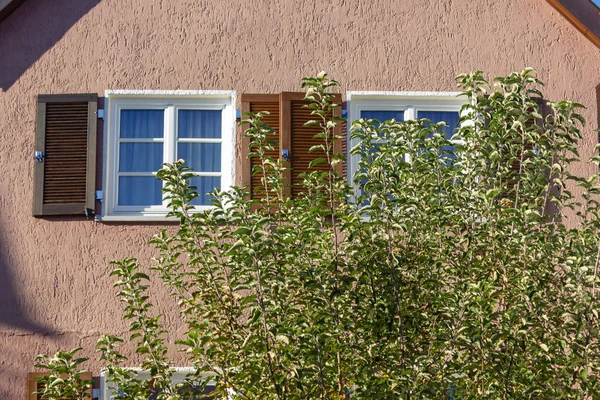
(66, 137)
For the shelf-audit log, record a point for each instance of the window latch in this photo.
(285, 154)
(39, 156)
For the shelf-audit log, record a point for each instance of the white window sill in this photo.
(135, 218)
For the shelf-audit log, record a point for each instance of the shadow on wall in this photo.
(13, 312)
(34, 28)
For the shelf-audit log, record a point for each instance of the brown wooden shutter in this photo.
(66, 135)
(33, 385)
(298, 139)
(511, 184)
(255, 103)
(598, 108)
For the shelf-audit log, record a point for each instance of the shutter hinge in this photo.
(98, 194)
(100, 113)
(39, 156)
(88, 212)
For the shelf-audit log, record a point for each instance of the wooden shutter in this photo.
(255, 103)
(287, 117)
(511, 184)
(66, 135)
(298, 139)
(598, 107)
(33, 385)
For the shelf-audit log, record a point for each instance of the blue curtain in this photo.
(201, 124)
(139, 191)
(202, 157)
(382, 115)
(140, 157)
(205, 184)
(451, 119)
(142, 124)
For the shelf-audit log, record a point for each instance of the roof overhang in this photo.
(583, 15)
(8, 6)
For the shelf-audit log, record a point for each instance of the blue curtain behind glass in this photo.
(381, 115)
(144, 156)
(139, 191)
(140, 157)
(142, 124)
(201, 157)
(451, 119)
(204, 184)
(204, 124)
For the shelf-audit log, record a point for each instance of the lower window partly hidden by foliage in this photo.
(464, 269)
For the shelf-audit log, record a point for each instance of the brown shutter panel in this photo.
(66, 135)
(255, 103)
(598, 107)
(33, 385)
(511, 184)
(299, 138)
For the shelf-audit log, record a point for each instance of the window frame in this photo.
(179, 375)
(171, 102)
(410, 102)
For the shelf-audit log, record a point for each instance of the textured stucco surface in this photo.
(54, 286)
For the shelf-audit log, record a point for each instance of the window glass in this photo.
(449, 117)
(140, 157)
(139, 191)
(202, 157)
(204, 124)
(142, 124)
(204, 184)
(382, 115)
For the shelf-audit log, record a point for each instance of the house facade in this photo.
(160, 80)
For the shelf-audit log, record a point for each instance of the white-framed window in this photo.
(401, 106)
(107, 390)
(144, 129)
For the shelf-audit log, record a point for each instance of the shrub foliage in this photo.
(460, 267)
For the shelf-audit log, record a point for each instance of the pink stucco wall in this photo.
(54, 286)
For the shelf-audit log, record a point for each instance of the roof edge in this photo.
(583, 15)
(7, 7)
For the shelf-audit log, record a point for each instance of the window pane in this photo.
(204, 184)
(449, 117)
(139, 191)
(138, 124)
(140, 157)
(202, 157)
(199, 124)
(382, 115)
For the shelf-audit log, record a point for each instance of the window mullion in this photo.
(170, 136)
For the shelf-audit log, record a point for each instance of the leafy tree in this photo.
(454, 268)
(65, 376)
